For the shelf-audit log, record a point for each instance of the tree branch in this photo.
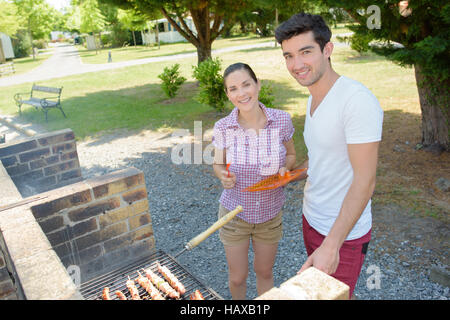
(215, 32)
(190, 37)
(195, 14)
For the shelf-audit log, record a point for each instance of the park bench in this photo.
(7, 68)
(43, 103)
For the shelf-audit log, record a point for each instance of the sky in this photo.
(59, 4)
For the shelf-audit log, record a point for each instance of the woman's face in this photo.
(242, 90)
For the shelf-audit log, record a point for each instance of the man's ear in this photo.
(328, 49)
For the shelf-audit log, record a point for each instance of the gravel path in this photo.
(184, 202)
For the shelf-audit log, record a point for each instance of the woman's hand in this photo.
(282, 171)
(228, 179)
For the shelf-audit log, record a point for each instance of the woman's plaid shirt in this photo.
(253, 157)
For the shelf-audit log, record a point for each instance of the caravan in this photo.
(6, 48)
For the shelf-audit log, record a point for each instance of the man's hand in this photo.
(323, 258)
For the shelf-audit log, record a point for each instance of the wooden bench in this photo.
(7, 68)
(43, 103)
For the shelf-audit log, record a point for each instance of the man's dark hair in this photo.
(304, 22)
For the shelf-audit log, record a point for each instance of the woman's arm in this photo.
(291, 156)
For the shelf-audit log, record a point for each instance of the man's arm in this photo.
(363, 158)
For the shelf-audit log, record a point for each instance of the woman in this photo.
(256, 142)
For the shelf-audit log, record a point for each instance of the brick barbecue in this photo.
(65, 237)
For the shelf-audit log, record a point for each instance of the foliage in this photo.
(9, 19)
(423, 33)
(210, 80)
(36, 16)
(209, 17)
(266, 96)
(21, 44)
(92, 20)
(358, 42)
(260, 15)
(40, 44)
(411, 33)
(171, 80)
(131, 19)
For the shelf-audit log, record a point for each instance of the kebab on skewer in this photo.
(120, 295)
(173, 281)
(133, 290)
(147, 285)
(161, 284)
(197, 295)
(105, 294)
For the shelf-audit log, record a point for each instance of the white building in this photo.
(166, 32)
(6, 48)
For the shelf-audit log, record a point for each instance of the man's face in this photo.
(304, 59)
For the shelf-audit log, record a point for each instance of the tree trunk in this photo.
(31, 40)
(434, 102)
(203, 52)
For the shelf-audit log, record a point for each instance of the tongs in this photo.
(275, 181)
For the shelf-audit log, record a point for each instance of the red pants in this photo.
(351, 254)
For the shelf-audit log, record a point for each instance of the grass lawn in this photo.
(141, 52)
(22, 65)
(131, 98)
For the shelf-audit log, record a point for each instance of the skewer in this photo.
(171, 278)
(147, 285)
(161, 284)
(133, 290)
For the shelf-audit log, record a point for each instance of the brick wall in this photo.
(42, 162)
(8, 194)
(7, 288)
(97, 224)
(311, 284)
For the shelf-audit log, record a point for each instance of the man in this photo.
(343, 126)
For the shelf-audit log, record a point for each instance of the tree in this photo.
(265, 14)
(208, 16)
(131, 20)
(9, 20)
(36, 16)
(92, 19)
(422, 29)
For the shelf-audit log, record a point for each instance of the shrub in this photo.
(171, 80)
(210, 81)
(266, 96)
(21, 45)
(40, 44)
(106, 39)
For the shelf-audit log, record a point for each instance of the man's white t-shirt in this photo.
(349, 114)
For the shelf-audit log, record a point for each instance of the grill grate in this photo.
(116, 280)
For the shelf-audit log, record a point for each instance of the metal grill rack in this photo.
(116, 279)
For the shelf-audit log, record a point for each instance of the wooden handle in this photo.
(216, 226)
